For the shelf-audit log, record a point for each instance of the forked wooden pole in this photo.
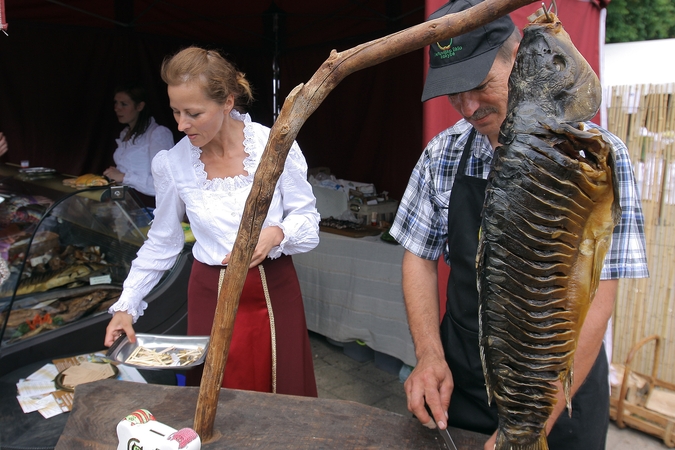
(298, 106)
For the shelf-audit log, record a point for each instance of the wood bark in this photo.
(303, 100)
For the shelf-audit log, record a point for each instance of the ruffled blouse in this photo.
(133, 157)
(215, 208)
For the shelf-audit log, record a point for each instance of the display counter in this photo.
(66, 253)
(352, 290)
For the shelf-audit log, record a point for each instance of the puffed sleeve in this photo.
(300, 222)
(160, 251)
(139, 177)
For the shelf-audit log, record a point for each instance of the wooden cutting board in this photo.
(247, 419)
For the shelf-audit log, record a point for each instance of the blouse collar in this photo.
(250, 162)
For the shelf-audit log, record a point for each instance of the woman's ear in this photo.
(140, 106)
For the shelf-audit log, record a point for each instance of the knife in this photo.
(445, 434)
(448, 439)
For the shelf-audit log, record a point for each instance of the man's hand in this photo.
(431, 380)
(431, 383)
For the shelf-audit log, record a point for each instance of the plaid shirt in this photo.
(421, 224)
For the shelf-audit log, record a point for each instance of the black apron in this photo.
(469, 407)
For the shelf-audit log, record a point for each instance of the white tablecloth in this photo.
(352, 290)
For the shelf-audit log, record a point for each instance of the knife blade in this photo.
(448, 439)
(445, 434)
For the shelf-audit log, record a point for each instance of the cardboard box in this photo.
(330, 202)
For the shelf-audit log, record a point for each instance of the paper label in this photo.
(102, 279)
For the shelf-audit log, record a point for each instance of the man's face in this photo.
(485, 106)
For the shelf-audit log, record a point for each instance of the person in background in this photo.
(209, 175)
(440, 214)
(3, 144)
(140, 140)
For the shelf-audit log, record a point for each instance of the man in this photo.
(440, 213)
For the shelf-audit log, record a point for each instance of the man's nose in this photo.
(464, 103)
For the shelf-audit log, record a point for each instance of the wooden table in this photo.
(248, 419)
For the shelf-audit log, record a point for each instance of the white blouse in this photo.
(214, 208)
(133, 157)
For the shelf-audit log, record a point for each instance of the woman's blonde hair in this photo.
(218, 77)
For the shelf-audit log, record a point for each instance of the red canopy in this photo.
(583, 21)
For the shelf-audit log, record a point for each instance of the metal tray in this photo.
(36, 170)
(122, 349)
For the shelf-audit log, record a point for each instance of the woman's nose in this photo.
(182, 123)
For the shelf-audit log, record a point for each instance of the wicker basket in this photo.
(642, 407)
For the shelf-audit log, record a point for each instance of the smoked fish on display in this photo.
(550, 208)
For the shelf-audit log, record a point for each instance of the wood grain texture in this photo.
(248, 419)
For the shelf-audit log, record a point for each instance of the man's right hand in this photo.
(431, 383)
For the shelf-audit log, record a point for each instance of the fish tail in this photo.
(503, 444)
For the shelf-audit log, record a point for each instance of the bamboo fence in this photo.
(643, 116)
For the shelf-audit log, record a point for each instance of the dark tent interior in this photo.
(62, 59)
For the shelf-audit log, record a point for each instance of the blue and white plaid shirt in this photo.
(421, 224)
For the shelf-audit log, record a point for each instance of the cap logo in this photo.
(447, 50)
(445, 47)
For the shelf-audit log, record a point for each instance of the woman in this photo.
(139, 141)
(208, 175)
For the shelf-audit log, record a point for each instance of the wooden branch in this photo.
(298, 106)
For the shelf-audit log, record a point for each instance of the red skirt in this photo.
(270, 350)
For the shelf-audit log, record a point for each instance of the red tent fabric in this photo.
(582, 20)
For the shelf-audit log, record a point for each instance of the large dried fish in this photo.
(53, 279)
(550, 208)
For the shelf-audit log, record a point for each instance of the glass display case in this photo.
(65, 254)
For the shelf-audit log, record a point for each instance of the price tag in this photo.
(102, 279)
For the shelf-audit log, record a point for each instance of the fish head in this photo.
(550, 72)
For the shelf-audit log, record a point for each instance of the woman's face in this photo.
(198, 116)
(126, 110)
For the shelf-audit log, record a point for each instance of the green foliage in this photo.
(640, 20)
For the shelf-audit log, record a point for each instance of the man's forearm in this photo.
(420, 291)
(590, 342)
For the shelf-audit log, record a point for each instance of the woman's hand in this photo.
(121, 322)
(269, 238)
(113, 174)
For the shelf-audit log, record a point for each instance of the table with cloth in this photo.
(352, 290)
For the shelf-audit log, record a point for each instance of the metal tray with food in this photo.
(158, 351)
(36, 170)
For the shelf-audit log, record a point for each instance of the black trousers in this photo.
(586, 429)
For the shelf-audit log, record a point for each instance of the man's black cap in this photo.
(461, 63)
